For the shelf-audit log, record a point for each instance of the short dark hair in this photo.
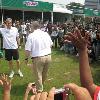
(9, 19)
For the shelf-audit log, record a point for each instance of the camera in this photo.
(61, 94)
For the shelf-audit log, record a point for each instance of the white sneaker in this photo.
(11, 74)
(20, 73)
(77, 55)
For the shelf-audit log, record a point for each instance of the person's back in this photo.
(41, 43)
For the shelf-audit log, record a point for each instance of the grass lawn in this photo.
(63, 69)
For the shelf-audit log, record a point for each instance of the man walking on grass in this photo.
(39, 46)
(10, 44)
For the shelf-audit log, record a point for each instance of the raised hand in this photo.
(28, 89)
(76, 38)
(6, 83)
(31, 86)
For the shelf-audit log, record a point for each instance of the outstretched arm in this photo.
(85, 71)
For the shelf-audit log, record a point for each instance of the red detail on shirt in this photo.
(96, 92)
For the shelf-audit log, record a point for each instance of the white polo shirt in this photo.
(9, 37)
(39, 43)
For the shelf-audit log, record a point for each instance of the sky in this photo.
(64, 1)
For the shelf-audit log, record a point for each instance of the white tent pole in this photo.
(2, 12)
(52, 17)
(23, 16)
(2, 18)
(42, 16)
(84, 19)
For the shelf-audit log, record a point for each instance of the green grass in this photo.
(63, 69)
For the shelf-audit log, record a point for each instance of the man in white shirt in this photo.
(10, 44)
(38, 45)
(23, 27)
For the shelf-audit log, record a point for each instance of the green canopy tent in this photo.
(81, 9)
(91, 12)
(27, 5)
(88, 12)
(96, 13)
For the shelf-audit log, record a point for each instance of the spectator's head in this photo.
(35, 25)
(17, 22)
(8, 23)
(23, 23)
